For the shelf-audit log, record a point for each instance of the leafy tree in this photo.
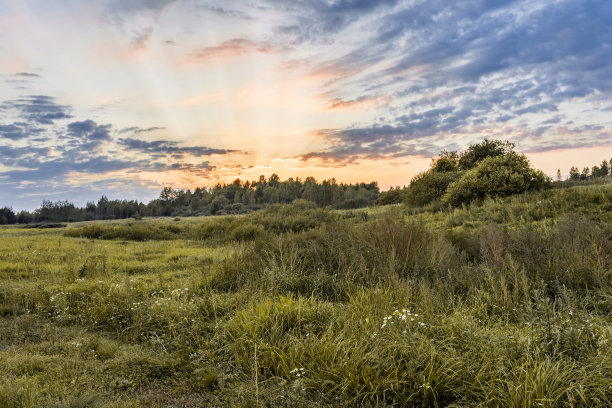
(574, 174)
(391, 196)
(218, 203)
(24, 217)
(57, 211)
(600, 171)
(7, 216)
(604, 168)
(586, 174)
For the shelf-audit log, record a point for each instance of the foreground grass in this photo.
(508, 303)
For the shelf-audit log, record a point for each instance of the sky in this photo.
(123, 97)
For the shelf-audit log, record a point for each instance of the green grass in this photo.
(504, 304)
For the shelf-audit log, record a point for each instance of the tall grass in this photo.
(503, 304)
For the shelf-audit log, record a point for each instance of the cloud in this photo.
(466, 41)
(11, 154)
(136, 129)
(132, 6)
(41, 155)
(90, 130)
(56, 170)
(136, 18)
(41, 109)
(164, 147)
(231, 48)
(27, 75)
(222, 11)
(316, 21)
(361, 103)
(200, 167)
(473, 69)
(426, 134)
(17, 131)
(141, 38)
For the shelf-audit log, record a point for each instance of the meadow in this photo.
(507, 303)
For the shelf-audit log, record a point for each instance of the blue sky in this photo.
(123, 97)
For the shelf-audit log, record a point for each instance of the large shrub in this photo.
(487, 149)
(391, 196)
(498, 176)
(429, 186)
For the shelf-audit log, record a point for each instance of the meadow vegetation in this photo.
(504, 302)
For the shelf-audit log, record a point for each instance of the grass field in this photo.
(507, 303)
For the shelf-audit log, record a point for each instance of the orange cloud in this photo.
(229, 49)
(359, 104)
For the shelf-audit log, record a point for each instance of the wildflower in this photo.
(298, 372)
(425, 386)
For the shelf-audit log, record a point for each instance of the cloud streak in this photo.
(361, 103)
(41, 109)
(165, 147)
(229, 49)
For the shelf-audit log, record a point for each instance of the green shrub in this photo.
(391, 196)
(499, 176)
(429, 186)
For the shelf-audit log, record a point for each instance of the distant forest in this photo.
(488, 169)
(236, 198)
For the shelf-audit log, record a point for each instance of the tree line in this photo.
(603, 170)
(235, 198)
(488, 169)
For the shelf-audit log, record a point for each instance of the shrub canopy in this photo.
(499, 176)
(487, 169)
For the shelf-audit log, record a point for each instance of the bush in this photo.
(392, 196)
(499, 176)
(487, 149)
(429, 186)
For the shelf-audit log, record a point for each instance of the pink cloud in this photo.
(230, 48)
(361, 103)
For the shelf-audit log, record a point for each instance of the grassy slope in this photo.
(507, 303)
